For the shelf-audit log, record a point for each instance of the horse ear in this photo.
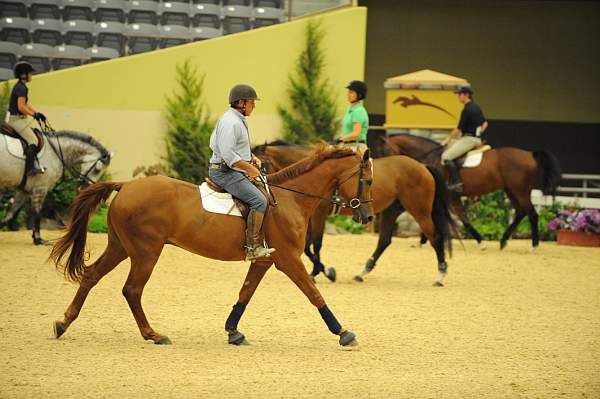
(366, 155)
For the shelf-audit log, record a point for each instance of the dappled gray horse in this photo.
(64, 150)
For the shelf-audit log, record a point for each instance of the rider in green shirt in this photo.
(355, 122)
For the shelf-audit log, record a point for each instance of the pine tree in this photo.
(189, 127)
(4, 98)
(312, 115)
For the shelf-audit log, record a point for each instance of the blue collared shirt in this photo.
(230, 141)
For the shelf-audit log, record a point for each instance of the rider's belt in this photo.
(20, 116)
(217, 165)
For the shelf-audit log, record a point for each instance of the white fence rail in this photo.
(579, 195)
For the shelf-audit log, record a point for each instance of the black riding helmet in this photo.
(22, 68)
(359, 87)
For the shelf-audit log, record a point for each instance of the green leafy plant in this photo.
(4, 98)
(189, 127)
(346, 223)
(311, 116)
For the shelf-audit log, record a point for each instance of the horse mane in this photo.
(84, 138)
(323, 153)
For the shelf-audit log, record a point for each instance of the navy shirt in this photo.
(20, 90)
(470, 119)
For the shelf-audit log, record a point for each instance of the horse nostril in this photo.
(370, 218)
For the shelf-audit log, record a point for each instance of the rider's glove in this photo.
(38, 116)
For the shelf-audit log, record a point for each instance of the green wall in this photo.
(526, 60)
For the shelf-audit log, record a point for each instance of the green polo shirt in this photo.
(356, 114)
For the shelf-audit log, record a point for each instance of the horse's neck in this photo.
(71, 149)
(318, 182)
(416, 148)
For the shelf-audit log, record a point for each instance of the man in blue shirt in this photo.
(232, 165)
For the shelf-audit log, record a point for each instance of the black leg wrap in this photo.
(332, 323)
(442, 267)
(370, 264)
(234, 316)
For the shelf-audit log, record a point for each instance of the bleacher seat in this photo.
(174, 13)
(174, 35)
(203, 33)
(268, 3)
(237, 18)
(47, 31)
(79, 33)
(38, 55)
(78, 9)
(265, 16)
(111, 34)
(236, 3)
(9, 54)
(44, 9)
(69, 56)
(6, 74)
(13, 8)
(142, 12)
(15, 30)
(208, 15)
(102, 53)
(142, 38)
(110, 11)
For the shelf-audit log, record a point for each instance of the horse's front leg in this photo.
(253, 278)
(37, 200)
(293, 268)
(17, 203)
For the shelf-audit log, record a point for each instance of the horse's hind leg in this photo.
(112, 256)
(142, 265)
(318, 221)
(253, 278)
(386, 228)
(519, 215)
(459, 210)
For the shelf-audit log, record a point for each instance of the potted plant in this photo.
(577, 227)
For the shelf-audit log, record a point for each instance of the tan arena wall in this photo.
(121, 102)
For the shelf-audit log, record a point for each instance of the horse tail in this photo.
(81, 210)
(549, 170)
(440, 212)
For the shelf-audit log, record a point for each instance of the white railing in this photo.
(578, 195)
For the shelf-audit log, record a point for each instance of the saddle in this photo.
(473, 157)
(241, 205)
(10, 132)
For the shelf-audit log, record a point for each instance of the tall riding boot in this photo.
(254, 239)
(456, 184)
(30, 165)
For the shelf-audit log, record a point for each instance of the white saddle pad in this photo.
(474, 157)
(218, 202)
(15, 148)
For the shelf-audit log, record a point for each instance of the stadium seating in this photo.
(58, 34)
(68, 56)
(47, 31)
(79, 33)
(15, 30)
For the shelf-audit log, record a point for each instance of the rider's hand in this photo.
(257, 161)
(38, 116)
(253, 172)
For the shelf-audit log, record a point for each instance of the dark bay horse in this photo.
(399, 183)
(508, 168)
(148, 213)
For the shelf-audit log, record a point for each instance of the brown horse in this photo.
(148, 213)
(508, 168)
(400, 183)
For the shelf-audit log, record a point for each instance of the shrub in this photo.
(346, 223)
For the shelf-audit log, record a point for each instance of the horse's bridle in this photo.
(354, 203)
(81, 177)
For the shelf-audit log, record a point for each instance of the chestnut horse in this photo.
(508, 168)
(400, 183)
(148, 213)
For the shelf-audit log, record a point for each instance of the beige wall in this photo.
(121, 102)
(526, 60)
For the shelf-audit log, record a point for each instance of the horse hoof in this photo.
(481, 246)
(359, 279)
(59, 329)
(331, 274)
(502, 245)
(237, 339)
(533, 249)
(163, 341)
(348, 339)
(438, 284)
(313, 278)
